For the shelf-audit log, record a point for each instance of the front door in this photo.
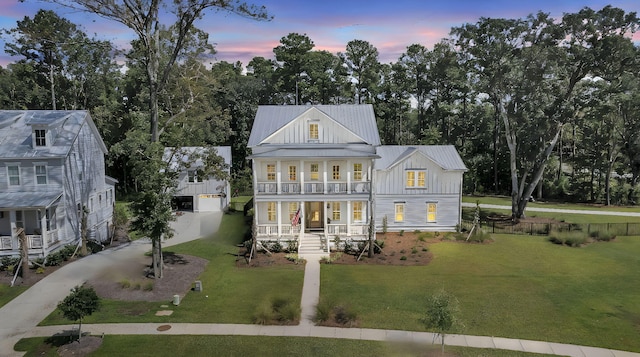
(314, 217)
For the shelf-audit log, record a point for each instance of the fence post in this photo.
(627, 228)
(531, 225)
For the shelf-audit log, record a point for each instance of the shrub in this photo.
(417, 231)
(148, 286)
(287, 313)
(137, 286)
(40, 270)
(125, 284)
(414, 250)
(276, 247)
(404, 257)
(55, 259)
(323, 312)
(264, 314)
(293, 257)
(385, 225)
(572, 239)
(292, 246)
(6, 262)
(604, 235)
(401, 233)
(379, 245)
(344, 315)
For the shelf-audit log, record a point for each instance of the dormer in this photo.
(41, 136)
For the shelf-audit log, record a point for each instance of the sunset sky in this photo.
(390, 26)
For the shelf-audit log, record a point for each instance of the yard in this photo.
(517, 286)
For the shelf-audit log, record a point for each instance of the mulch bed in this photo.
(180, 272)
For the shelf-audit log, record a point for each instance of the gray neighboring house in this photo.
(51, 168)
(320, 175)
(196, 193)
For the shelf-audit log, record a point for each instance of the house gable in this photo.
(313, 127)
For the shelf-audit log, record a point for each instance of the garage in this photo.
(209, 203)
(183, 203)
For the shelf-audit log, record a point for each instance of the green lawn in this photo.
(231, 294)
(170, 346)
(518, 287)
(8, 293)
(558, 216)
(506, 201)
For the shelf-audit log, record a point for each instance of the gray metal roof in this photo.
(25, 200)
(326, 153)
(184, 152)
(446, 156)
(16, 127)
(360, 119)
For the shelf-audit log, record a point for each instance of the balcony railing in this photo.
(314, 187)
(6, 243)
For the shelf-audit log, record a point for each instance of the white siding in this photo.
(297, 131)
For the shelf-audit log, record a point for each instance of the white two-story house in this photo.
(320, 175)
(51, 170)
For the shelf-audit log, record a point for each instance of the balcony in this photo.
(314, 187)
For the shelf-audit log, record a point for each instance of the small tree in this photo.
(442, 309)
(82, 301)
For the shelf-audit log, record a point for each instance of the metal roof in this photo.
(16, 127)
(360, 119)
(25, 200)
(446, 156)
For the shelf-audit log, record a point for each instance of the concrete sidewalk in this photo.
(305, 330)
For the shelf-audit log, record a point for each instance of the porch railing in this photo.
(314, 187)
(337, 187)
(290, 187)
(271, 230)
(267, 187)
(35, 241)
(336, 229)
(52, 236)
(6, 242)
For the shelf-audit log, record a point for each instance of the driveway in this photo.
(23, 313)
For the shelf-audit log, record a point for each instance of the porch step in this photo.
(311, 244)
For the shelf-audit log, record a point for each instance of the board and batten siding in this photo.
(415, 212)
(393, 181)
(329, 131)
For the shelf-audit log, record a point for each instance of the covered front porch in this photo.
(289, 220)
(40, 224)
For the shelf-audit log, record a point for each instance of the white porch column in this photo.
(15, 241)
(324, 176)
(255, 178)
(43, 230)
(301, 170)
(348, 218)
(279, 217)
(302, 217)
(278, 176)
(348, 176)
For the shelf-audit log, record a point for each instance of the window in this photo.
(13, 172)
(41, 174)
(399, 212)
(357, 171)
(335, 216)
(90, 205)
(416, 178)
(313, 131)
(293, 209)
(271, 172)
(51, 219)
(357, 211)
(336, 172)
(19, 220)
(314, 172)
(431, 212)
(41, 137)
(193, 176)
(292, 173)
(271, 211)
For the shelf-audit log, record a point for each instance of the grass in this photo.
(230, 295)
(169, 346)
(8, 293)
(506, 201)
(559, 216)
(517, 287)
